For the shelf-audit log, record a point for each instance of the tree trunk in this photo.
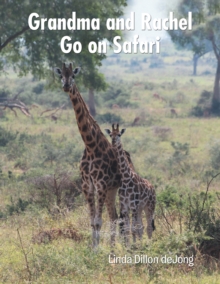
(216, 91)
(195, 62)
(92, 103)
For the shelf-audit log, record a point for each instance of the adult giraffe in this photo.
(98, 167)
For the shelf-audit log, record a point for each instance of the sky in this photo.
(156, 8)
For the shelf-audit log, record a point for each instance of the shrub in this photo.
(108, 118)
(179, 161)
(203, 104)
(215, 156)
(18, 207)
(117, 95)
(156, 62)
(3, 95)
(149, 86)
(59, 189)
(38, 89)
(181, 150)
(6, 136)
(15, 207)
(170, 197)
(195, 211)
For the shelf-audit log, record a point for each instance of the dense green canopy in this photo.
(30, 50)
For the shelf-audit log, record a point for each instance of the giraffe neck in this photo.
(123, 163)
(90, 131)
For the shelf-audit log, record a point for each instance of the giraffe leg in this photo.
(110, 203)
(88, 190)
(149, 217)
(101, 197)
(126, 228)
(140, 227)
(135, 225)
(125, 225)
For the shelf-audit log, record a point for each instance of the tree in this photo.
(184, 39)
(204, 37)
(30, 50)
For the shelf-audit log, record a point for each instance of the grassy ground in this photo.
(41, 243)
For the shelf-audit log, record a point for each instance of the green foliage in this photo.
(28, 50)
(15, 207)
(181, 150)
(38, 89)
(196, 212)
(215, 156)
(179, 162)
(197, 40)
(203, 38)
(203, 104)
(109, 118)
(19, 206)
(6, 136)
(200, 211)
(56, 191)
(156, 62)
(149, 86)
(117, 95)
(3, 95)
(170, 197)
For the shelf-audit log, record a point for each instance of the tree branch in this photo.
(25, 256)
(8, 40)
(16, 104)
(204, 200)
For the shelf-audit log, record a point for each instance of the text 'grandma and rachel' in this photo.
(75, 24)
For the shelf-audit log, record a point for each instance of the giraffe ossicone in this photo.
(98, 167)
(135, 194)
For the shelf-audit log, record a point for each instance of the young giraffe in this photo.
(135, 193)
(98, 167)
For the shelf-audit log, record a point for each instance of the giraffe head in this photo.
(67, 75)
(115, 134)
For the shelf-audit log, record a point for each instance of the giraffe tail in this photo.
(152, 224)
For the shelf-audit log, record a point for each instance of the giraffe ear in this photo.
(107, 131)
(76, 71)
(122, 131)
(57, 71)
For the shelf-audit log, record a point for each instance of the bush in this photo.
(196, 213)
(215, 157)
(6, 136)
(3, 95)
(170, 197)
(38, 89)
(203, 104)
(59, 189)
(108, 118)
(149, 86)
(15, 207)
(156, 62)
(117, 95)
(18, 207)
(179, 162)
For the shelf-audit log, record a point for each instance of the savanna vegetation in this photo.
(45, 234)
